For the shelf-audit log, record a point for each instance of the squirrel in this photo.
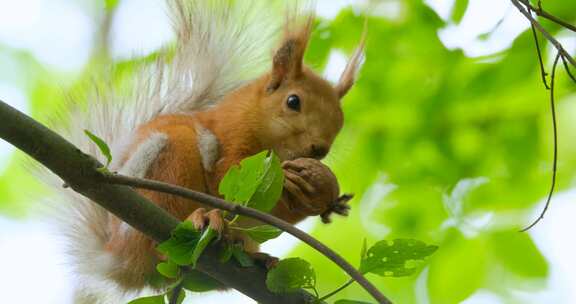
(190, 117)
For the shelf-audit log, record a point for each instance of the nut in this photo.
(327, 190)
(320, 177)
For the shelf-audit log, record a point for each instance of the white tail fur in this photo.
(220, 45)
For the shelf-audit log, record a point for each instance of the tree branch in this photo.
(545, 33)
(555, 139)
(544, 14)
(561, 54)
(567, 68)
(540, 61)
(78, 170)
(216, 202)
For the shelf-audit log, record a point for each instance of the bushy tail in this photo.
(219, 45)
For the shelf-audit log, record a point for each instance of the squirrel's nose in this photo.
(318, 151)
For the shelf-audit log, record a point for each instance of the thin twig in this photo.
(337, 290)
(544, 14)
(542, 70)
(546, 35)
(567, 68)
(555, 159)
(219, 203)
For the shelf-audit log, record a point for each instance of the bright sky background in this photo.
(35, 25)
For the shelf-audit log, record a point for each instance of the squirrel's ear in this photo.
(287, 62)
(350, 73)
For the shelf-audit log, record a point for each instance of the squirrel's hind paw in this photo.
(213, 219)
(264, 259)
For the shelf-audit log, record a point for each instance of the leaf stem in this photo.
(236, 216)
(337, 290)
(316, 292)
(176, 293)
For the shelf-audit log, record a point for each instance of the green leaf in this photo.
(104, 149)
(149, 300)
(208, 235)
(518, 253)
(262, 233)
(270, 187)
(459, 10)
(242, 257)
(351, 302)
(181, 245)
(111, 4)
(196, 281)
(290, 275)
(225, 254)
(240, 182)
(229, 184)
(469, 262)
(257, 182)
(395, 258)
(168, 269)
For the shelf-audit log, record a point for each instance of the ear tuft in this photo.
(350, 73)
(288, 59)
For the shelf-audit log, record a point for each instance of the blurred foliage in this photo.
(423, 119)
(451, 150)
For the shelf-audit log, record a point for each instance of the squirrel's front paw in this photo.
(299, 194)
(311, 188)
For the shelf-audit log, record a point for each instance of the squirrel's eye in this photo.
(293, 102)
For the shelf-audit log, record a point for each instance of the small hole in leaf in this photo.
(410, 264)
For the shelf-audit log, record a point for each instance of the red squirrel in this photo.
(193, 116)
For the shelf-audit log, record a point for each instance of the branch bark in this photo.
(545, 33)
(544, 14)
(540, 61)
(555, 144)
(526, 9)
(78, 171)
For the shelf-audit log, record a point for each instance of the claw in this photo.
(198, 218)
(213, 218)
(216, 220)
(291, 165)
